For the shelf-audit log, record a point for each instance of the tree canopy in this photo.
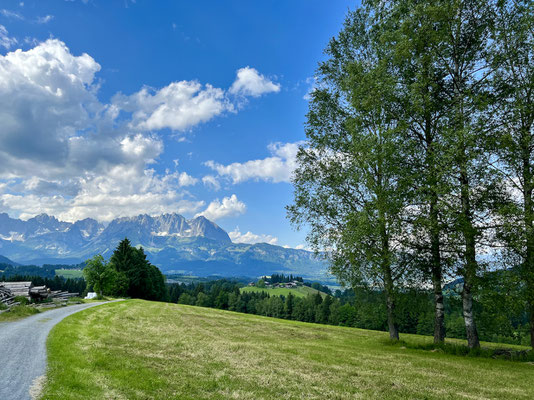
(418, 162)
(128, 273)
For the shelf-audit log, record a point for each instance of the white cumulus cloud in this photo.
(46, 98)
(62, 151)
(211, 182)
(123, 191)
(277, 168)
(66, 153)
(250, 82)
(228, 207)
(178, 106)
(184, 179)
(251, 238)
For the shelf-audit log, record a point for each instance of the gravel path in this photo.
(23, 351)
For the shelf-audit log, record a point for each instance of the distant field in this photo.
(146, 350)
(69, 273)
(300, 291)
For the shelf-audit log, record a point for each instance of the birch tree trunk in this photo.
(471, 265)
(390, 302)
(528, 267)
(436, 268)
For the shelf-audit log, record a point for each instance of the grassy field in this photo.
(69, 273)
(17, 312)
(23, 311)
(146, 350)
(300, 291)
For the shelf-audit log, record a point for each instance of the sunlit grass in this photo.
(147, 350)
(17, 312)
(300, 291)
(70, 273)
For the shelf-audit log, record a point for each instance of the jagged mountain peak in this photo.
(201, 226)
(144, 228)
(174, 243)
(87, 227)
(168, 224)
(87, 221)
(135, 218)
(43, 218)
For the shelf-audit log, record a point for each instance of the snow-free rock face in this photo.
(88, 227)
(8, 225)
(201, 226)
(45, 236)
(173, 243)
(149, 229)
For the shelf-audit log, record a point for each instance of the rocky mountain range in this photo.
(175, 244)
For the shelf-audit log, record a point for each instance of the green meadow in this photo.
(69, 273)
(137, 349)
(300, 291)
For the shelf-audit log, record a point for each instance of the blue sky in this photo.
(116, 108)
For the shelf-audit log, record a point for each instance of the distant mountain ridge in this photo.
(173, 243)
(5, 260)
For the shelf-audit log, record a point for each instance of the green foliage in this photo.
(100, 275)
(123, 256)
(186, 298)
(135, 276)
(512, 57)
(23, 300)
(203, 300)
(420, 151)
(351, 185)
(47, 271)
(128, 273)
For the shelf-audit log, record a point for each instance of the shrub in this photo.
(22, 300)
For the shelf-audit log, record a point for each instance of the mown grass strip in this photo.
(147, 350)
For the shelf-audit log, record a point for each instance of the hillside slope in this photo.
(5, 260)
(301, 291)
(146, 350)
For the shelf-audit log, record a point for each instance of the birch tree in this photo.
(422, 96)
(350, 188)
(513, 59)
